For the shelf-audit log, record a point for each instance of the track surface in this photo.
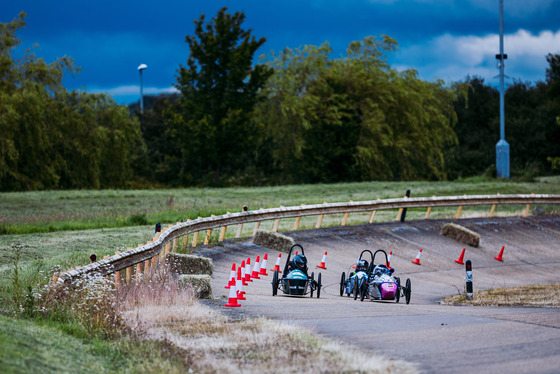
(438, 338)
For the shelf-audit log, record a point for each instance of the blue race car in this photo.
(358, 278)
(375, 282)
(295, 279)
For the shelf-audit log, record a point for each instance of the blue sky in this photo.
(446, 39)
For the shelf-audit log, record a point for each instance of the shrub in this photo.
(138, 219)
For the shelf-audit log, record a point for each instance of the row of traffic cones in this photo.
(459, 260)
(498, 257)
(245, 275)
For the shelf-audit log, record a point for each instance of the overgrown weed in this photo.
(211, 342)
(16, 286)
(90, 302)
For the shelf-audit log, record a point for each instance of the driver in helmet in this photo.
(380, 269)
(362, 265)
(299, 262)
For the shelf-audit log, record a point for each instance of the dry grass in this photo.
(546, 295)
(211, 342)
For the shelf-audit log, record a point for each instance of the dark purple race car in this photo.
(374, 281)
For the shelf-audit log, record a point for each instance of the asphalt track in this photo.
(438, 338)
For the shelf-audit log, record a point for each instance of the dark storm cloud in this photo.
(440, 38)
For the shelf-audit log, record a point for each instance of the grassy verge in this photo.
(546, 295)
(43, 232)
(33, 346)
(30, 260)
(151, 328)
(51, 211)
(214, 343)
(156, 327)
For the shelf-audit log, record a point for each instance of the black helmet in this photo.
(362, 265)
(300, 262)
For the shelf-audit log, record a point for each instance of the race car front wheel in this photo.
(363, 290)
(408, 290)
(342, 283)
(275, 283)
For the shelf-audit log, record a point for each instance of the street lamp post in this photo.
(140, 68)
(502, 147)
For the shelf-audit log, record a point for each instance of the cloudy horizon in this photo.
(443, 39)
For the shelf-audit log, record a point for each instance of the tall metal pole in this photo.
(141, 94)
(140, 68)
(502, 147)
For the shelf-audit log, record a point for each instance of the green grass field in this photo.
(30, 346)
(50, 211)
(62, 228)
(41, 232)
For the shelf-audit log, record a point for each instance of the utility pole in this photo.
(502, 147)
(140, 69)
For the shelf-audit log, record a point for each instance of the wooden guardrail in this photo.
(149, 254)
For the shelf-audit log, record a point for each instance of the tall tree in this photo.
(51, 138)
(286, 110)
(162, 161)
(220, 87)
(553, 108)
(26, 86)
(355, 118)
(477, 129)
(553, 74)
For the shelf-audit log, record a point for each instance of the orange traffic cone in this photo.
(231, 277)
(460, 259)
(239, 286)
(264, 265)
(277, 266)
(388, 264)
(322, 264)
(232, 298)
(243, 273)
(499, 257)
(417, 259)
(248, 270)
(256, 269)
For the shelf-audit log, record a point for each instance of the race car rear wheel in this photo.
(398, 294)
(275, 283)
(319, 285)
(342, 283)
(312, 284)
(407, 291)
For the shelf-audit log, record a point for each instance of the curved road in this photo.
(438, 338)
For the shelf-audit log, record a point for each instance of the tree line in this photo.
(296, 116)
(51, 138)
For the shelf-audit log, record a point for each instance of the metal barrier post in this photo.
(403, 215)
(469, 286)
